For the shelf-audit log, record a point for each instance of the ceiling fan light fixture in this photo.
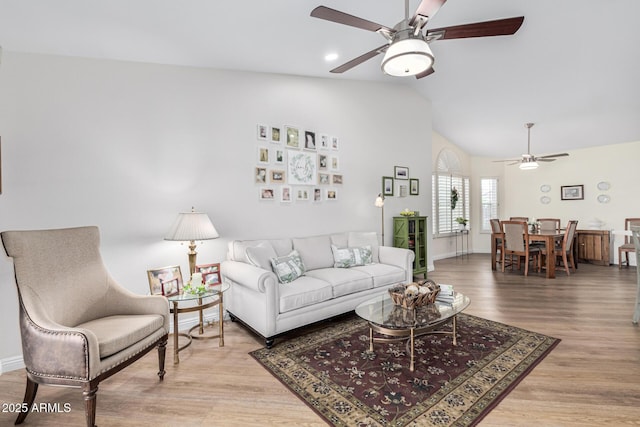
(407, 57)
(528, 164)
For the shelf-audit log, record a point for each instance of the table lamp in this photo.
(189, 227)
(379, 203)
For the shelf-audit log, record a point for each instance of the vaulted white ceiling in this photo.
(572, 68)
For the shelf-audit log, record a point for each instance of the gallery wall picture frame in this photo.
(276, 134)
(302, 168)
(279, 157)
(335, 143)
(572, 192)
(401, 172)
(337, 179)
(323, 144)
(387, 186)
(262, 132)
(309, 140)
(292, 137)
(263, 155)
(323, 162)
(302, 194)
(285, 194)
(317, 195)
(402, 190)
(277, 176)
(267, 193)
(261, 175)
(414, 186)
(323, 179)
(332, 194)
(165, 281)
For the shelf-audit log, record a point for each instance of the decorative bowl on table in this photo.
(415, 294)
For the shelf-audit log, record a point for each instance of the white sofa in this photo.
(260, 301)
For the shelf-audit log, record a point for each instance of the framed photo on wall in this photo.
(572, 192)
(401, 172)
(414, 186)
(387, 186)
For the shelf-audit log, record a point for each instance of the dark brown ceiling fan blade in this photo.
(427, 8)
(507, 160)
(333, 15)
(553, 155)
(499, 27)
(425, 73)
(541, 159)
(360, 59)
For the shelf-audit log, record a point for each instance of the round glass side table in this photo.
(201, 301)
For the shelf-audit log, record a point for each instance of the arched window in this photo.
(450, 190)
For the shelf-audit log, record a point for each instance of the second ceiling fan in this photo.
(529, 161)
(407, 51)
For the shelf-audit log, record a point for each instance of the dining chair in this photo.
(565, 251)
(635, 230)
(497, 229)
(627, 246)
(516, 242)
(549, 224)
(519, 218)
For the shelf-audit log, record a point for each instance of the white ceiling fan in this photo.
(529, 161)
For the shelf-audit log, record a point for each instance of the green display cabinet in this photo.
(410, 232)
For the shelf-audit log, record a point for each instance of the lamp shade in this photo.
(407, 57)
(190, 226)
(379, 201)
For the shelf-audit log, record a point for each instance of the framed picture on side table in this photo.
(210, 273)
(165, 281)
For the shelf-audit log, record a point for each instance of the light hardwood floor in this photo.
(591, 379)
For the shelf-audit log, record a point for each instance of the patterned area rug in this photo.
(333, 371)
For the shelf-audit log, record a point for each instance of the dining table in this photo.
(548, 237)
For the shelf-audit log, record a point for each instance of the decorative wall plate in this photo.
(603, 185)
(545, 188)
(603, 198)
(545, 200)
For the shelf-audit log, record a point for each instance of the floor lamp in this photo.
(379, 203)
(189, 227)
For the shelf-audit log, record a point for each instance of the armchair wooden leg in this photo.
(89, 391)
(162, 351)
(29, 398)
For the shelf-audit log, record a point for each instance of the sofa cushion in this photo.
(303, 292)
(383, 274)
(360, 238)
(350, 257)
(314, 251)
(115, 333)
(261, 255)
(344, 281)
(288, 268)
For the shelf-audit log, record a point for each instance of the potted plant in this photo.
(462, 221)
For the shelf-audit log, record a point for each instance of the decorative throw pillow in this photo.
(350, 257)
(288, 268)
(261, 255)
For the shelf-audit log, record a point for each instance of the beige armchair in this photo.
(78, 325)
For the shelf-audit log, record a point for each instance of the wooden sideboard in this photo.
(593, 246)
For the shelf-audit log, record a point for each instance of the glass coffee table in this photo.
(390, 323)
(197, 304)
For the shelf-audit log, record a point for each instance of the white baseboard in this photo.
(11, 364)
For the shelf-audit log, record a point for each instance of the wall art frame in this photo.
(387, 186)
(572, 192)
(414, 186)
(401, 172)
(302, 168)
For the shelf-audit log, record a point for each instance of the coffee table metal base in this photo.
(409, 334)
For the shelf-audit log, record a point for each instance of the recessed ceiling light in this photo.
(331, 57)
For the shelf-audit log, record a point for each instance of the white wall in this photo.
(126, 146)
